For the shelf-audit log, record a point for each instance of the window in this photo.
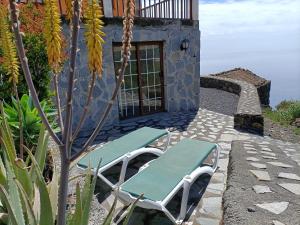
(142, 90)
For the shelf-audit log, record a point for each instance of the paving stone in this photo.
(261, 189)
(216, 186)
(259, 165)
(223, 164)
(291, 176)
(268, 153)
(266, 149)
(294, 188)
(276, 222)
(261, 175)
(274, 207)
(212, 206)
(252, 159)
(252, 152)
(208, 221)
(280, 164)
(268, 157)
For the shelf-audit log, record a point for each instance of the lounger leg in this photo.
(188, 181)
(185, 197)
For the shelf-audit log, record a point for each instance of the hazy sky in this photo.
(260, 35)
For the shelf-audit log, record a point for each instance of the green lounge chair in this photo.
(123, 150)
(162, 178)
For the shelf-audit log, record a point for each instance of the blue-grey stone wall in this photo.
(181, 68)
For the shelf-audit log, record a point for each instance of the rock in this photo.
(297, 122)
(274, 207)
(250, 209)
(291, 176)
(280, 164)
(261, 175)
(294, 188)
(260, 189)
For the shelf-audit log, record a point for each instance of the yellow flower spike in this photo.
(52, 34)
(69, 9)
(94, 36)
(10, 60)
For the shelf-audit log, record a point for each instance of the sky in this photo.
(260, 35)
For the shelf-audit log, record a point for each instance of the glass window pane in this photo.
(127, 82)
(151, 78)
(133, 65)
(143, 52)
(150, 66)
(150, 52)
(145, 93)
(135, 82)
(156, 65)
(156, 52)
(158, 91)
(157, 79)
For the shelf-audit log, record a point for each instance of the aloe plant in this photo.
(68, 135)
(31, 121)
(25, 197)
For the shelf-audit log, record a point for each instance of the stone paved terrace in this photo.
(248, 115)
(216, 127)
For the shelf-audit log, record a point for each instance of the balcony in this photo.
(159, 9)
(162, 9)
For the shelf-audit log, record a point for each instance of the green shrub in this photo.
(285, 113)
(31, 120)
(38, 64)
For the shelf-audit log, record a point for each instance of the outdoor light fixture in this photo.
(185, 44)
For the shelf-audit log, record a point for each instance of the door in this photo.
(142, 90)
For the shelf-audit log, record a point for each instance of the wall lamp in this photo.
(185, 44)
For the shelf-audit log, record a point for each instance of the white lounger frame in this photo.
(185, 183)
(125, 159)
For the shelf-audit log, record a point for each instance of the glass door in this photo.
(142, 90)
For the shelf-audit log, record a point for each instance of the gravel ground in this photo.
(218, 101)
(277, 131)
(239, 198)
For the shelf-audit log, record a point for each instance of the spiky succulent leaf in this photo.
(94, 36)
(46, 217)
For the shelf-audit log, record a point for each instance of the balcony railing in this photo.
(168, 9)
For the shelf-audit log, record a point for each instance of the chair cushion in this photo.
(119, 147)
(163, 174)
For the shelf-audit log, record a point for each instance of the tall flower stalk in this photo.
(52, 35)
(94, 41)
(11, 66)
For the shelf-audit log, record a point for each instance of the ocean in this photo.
(261, 37)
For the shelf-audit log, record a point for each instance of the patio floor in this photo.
(206, 206)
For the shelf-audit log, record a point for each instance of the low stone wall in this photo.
(248, 116)
(263, 86)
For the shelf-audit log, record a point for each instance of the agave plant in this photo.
(31, 120)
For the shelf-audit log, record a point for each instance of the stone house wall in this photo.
(181, 68)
